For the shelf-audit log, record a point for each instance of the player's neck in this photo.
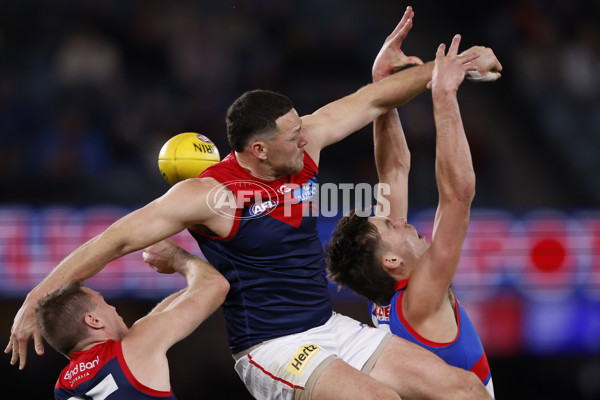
(89, 343)
(255, 167)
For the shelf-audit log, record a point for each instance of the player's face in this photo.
(109, 315)
(286, 148)
(401, 238)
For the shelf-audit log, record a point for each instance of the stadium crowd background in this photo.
(90, 90)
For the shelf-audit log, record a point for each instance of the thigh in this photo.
(341, 381)
(415, 372)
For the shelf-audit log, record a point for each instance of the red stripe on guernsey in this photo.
(131, 378)
(416, 334)
(273, 376)
(229, 170)
(401, 285)
(481, 368)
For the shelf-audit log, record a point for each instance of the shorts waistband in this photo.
(243, 353)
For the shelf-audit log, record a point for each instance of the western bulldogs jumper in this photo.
(465, 351)
(101, 373)
(272, 258)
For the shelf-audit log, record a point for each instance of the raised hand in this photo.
(391, 58)
(24, 328)
(488, 66)
(450, 69)
(161, 256)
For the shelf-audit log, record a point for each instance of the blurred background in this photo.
(90, 90)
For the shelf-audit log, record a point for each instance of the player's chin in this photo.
(297, 168)
(301, 163)
(290, 169)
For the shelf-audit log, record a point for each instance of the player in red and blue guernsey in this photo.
(106, 359)
(285, 338)
(102, 370)
(383, 258)
(464, 351)
(273, 257)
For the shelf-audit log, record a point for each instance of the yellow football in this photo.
(185, 156)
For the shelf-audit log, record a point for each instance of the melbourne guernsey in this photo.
(273, 257)
(102, 373)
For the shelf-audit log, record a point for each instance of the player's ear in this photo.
(391, 261)
(93, 321)
(259, 149)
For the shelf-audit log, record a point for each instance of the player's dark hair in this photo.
(254, 112)
(354, 259)
(61, 314)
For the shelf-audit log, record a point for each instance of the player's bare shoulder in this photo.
(199, 201)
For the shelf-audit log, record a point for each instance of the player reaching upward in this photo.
(286, 339)
(108, 358)
(407, 279)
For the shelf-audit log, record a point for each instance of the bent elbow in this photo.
(221, 286)
(464, 191)
(466, 194)
(474, 388)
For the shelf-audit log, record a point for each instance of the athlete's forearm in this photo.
(392, 159)
(392, 155)
(339, 119)
(83, 263)
(401, 87)
(454, 166)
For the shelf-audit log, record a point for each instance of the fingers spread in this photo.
(22, 359)
(404, 31)
(403, 26)
(38, 343)
(440, 50)
(9, 346)
(466, 58)
(453, 50)
(18, 352)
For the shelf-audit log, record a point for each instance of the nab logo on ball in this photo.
(186, 156)
(203, 138)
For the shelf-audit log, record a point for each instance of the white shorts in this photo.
(288, 367)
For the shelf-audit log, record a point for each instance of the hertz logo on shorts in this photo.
(301, 358)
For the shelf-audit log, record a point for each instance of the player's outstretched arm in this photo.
(173, 319)
(456, 186)
(392, 156)
(338, 119)
(183, 205)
